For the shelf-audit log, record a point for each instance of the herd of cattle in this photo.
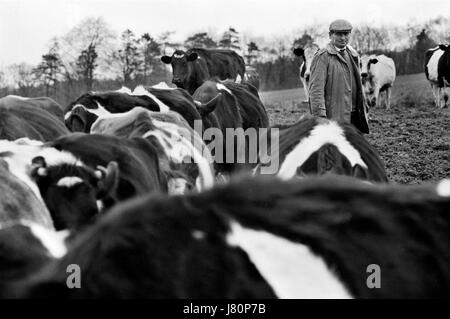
(125, 186)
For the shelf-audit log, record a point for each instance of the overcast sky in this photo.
(26, 26)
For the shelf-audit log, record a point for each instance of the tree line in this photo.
(91, 57)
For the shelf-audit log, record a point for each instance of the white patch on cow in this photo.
(100, 205)
(322, 134)
(27, 141)
(124, 89)
(176, 186)
(443, 188)
(222, 87)
(18, 97)
(198, 234)
(140, 90)
(432, 65)
(53, 241)
(291, 269)
(178, 56)
(67, 115)
(238, 79)
(163, 86)
(54, 157)
(198, 103)
(69, 181)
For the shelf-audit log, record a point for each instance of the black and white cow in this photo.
(437, 71)
(316, 146)
(307, 53)
(81, 113)
(378, 75)
(23, 118)
(193, 67)
(78, 176)
(181, 150)
(328, 237)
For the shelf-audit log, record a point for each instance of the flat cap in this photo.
(340, 25)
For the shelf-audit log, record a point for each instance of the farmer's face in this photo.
(340, 38)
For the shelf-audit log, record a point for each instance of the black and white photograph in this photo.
(224, 153)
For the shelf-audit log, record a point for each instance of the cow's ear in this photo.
(166, 59)
(38, 167)
(373, 61)
(444, 47)
(359, 172)
(192, 57)
(299, 51)
(205, 109)
(108, 179)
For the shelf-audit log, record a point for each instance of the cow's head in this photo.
(307, 53)
(73, 192)
(81, 114)
(180, 65)
(367, 78)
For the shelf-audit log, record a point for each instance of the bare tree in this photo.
(128, 56)
(49, 70)
(151, 52)
(86, 46)
(23, 76)
(366, 38)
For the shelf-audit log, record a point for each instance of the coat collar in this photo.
(332, 50)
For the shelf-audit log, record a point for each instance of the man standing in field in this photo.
(335, 88)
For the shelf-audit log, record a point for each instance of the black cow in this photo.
(193, 67)
(22, 118)
(333, 237)
(83, 112)
(316, 146)
(437, 71)
(229, 105)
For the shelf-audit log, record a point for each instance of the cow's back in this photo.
(225, 64)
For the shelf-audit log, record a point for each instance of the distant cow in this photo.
(307, 53)
(437, 71)
(316, 146)
(228, 105)
(180, 148)
(24, 118)
(81, 113)
(44, 103)
(332, 237)
(193, 67)
(378, 75)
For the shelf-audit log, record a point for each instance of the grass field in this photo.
(413, 138)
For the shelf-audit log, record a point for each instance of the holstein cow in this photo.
(333, 237)
(181, 150)
(316, 146)
(437, 71)
(20, 118)
(26, 247)
(378, 75)
(44, 103)
(81, 113)
(80, 175)
(228, 106)
(307, 53)
(193, 67)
